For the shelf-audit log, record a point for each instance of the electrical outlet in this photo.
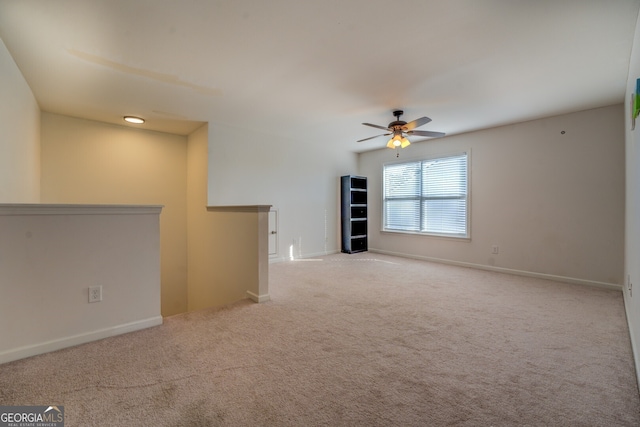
(495, 249)
(95, 293)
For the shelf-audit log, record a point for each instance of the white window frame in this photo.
(467, 234)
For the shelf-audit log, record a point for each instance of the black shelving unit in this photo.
(353, 203)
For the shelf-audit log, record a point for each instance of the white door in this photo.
(273, 233)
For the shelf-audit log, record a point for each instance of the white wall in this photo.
(552, 202)
(19, 135)
(51, 254)
(299, 179)
(632, 243)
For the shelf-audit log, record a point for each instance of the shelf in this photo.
(354, 221)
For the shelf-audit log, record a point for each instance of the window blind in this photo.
(427, 196)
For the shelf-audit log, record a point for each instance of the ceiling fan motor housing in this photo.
(397, 125)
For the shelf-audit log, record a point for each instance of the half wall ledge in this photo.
(257, 292)
(76, 209)
(50, 257)
(240, 208)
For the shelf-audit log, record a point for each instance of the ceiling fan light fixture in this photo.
(401, 129)
(134, 120)
(396, 141)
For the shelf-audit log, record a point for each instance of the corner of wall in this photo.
(20, 136)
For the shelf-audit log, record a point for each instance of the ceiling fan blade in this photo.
(376, 126)
(371, 137)
(416, 123)
(426, 133)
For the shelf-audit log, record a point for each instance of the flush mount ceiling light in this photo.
(133, 119)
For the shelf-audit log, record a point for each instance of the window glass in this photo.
(428, 196)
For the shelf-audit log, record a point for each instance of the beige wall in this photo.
(632, 243)
(553, 202)
(19, 135)
(91, 162)
(208, 258)
(223, 245)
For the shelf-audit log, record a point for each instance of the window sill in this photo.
(431, 235)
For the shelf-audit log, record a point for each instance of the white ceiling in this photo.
(313, 71)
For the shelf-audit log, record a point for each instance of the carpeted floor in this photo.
(358, 340)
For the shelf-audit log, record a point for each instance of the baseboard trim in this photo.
(60, 343)
(634, 346)
(316, 254)
(276, 260)
(564, 279)
(258, 298)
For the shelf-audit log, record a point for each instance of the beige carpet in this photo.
(358, 340)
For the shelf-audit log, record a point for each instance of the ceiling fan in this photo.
(401, 129)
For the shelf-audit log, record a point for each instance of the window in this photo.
(427, 196)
